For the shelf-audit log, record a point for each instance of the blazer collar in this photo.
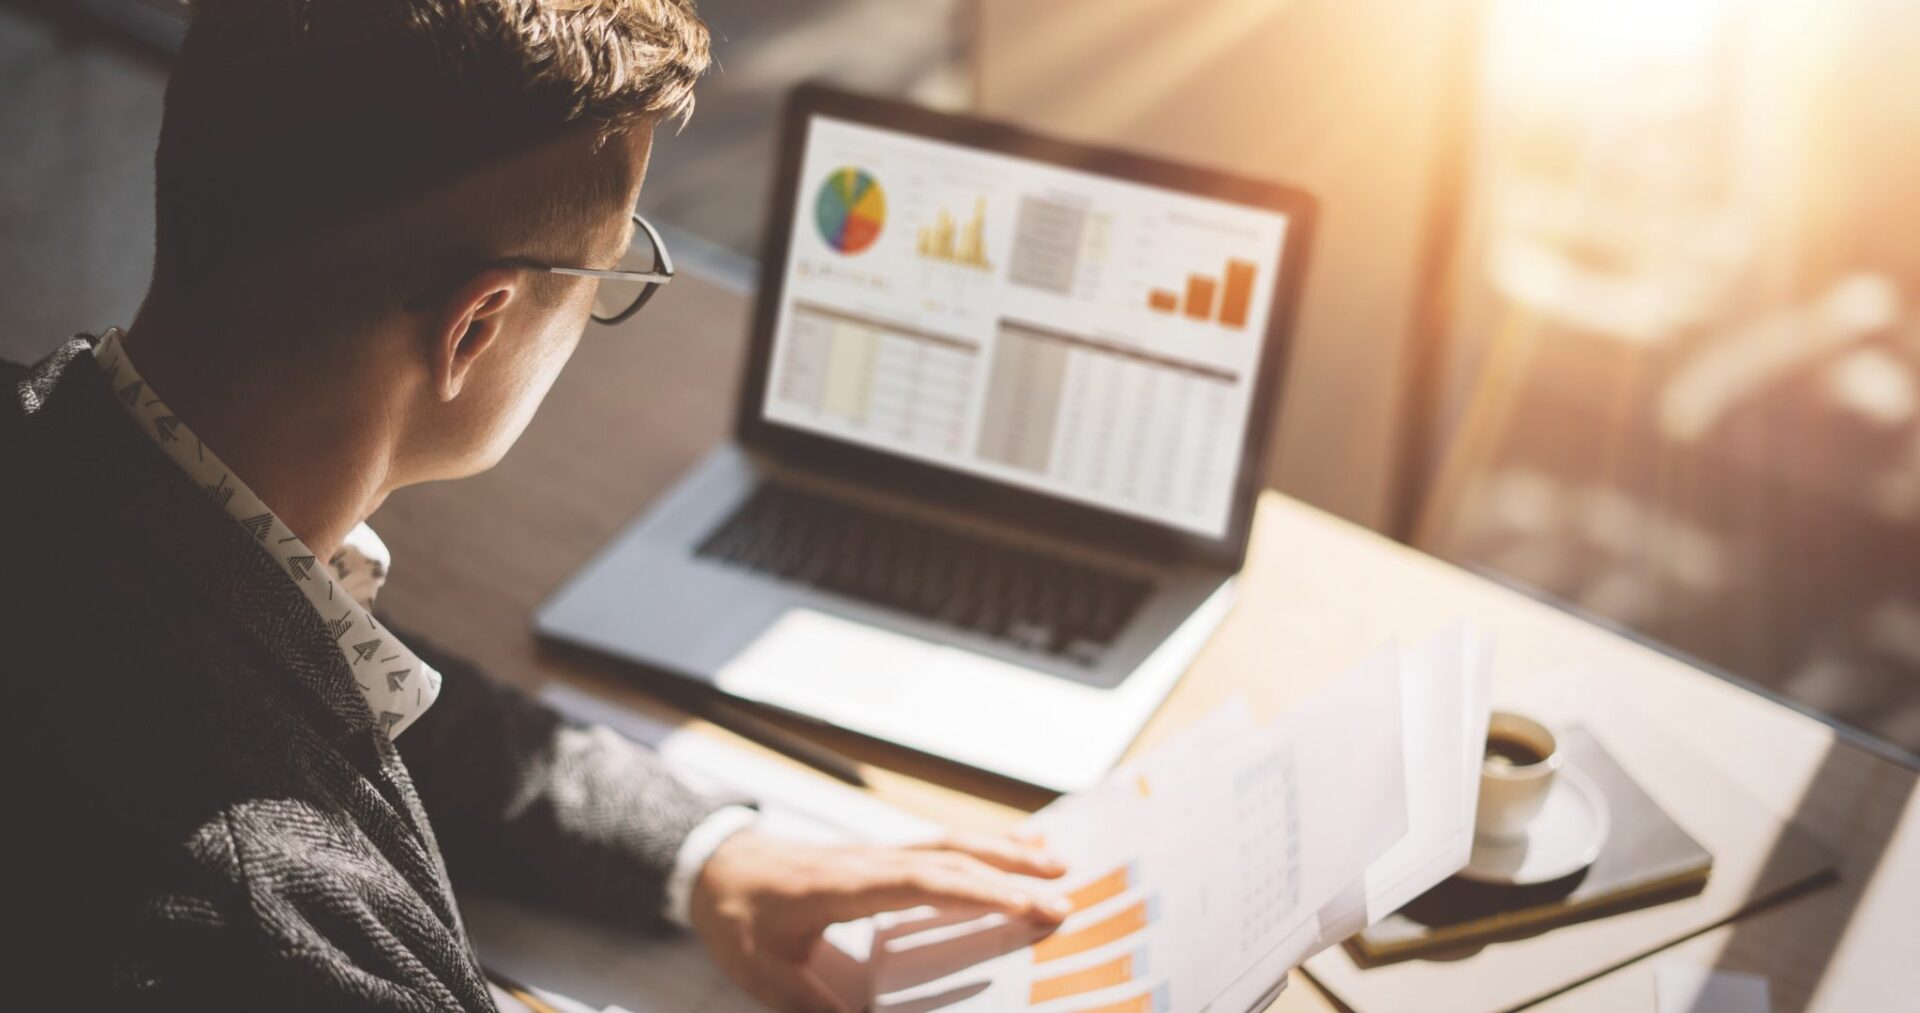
(105, 461)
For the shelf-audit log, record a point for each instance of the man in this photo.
(232, 785)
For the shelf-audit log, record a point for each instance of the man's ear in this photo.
(466, 325)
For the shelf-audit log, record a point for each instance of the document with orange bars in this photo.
(1205, 871)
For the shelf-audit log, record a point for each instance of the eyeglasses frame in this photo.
(654, 279)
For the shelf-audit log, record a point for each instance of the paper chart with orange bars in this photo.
(1202, 873)
(1116, 951)
(1144, 900)
(1074, 963)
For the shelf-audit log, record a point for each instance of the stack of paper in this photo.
(1207, 870)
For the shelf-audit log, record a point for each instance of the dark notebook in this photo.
(1647, 859)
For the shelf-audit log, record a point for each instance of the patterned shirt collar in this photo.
(398, 686)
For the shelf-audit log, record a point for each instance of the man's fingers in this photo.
(938, 883)
(1004, 853)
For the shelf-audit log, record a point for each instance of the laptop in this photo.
(997, 448)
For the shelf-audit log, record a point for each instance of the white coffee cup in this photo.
(1516, 774)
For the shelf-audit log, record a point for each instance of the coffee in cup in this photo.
(1516, 775)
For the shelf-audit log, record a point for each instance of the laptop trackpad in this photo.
(831, 657)
(941, 698)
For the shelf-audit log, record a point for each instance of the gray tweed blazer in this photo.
(200, 810)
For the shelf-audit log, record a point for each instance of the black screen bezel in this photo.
(1043, 513)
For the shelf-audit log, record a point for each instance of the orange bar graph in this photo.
(1119, 925)
(1199, 296)
(1105, 888)
(1146, 1002)
(1118, 971)
(1234, 304)
(1237, 294)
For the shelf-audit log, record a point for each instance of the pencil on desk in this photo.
(751, 726)
(521, 992)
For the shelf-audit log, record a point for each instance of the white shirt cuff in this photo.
(706, 838)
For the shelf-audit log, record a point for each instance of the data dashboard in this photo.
(1074, 334)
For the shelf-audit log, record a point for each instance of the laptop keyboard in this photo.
(1038, 601)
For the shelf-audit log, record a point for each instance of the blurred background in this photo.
(1613, 301)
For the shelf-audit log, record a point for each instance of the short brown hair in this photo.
(285, 116)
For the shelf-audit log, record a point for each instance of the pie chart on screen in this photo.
(850, 210)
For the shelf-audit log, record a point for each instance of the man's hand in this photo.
(760, 904)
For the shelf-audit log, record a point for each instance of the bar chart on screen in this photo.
(952, 265)
(949, 241)
(1234, 287)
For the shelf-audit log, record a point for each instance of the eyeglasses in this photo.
(642, 270)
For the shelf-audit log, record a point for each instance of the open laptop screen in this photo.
(1086, 337)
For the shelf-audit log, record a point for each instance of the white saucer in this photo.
(1565, 838)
